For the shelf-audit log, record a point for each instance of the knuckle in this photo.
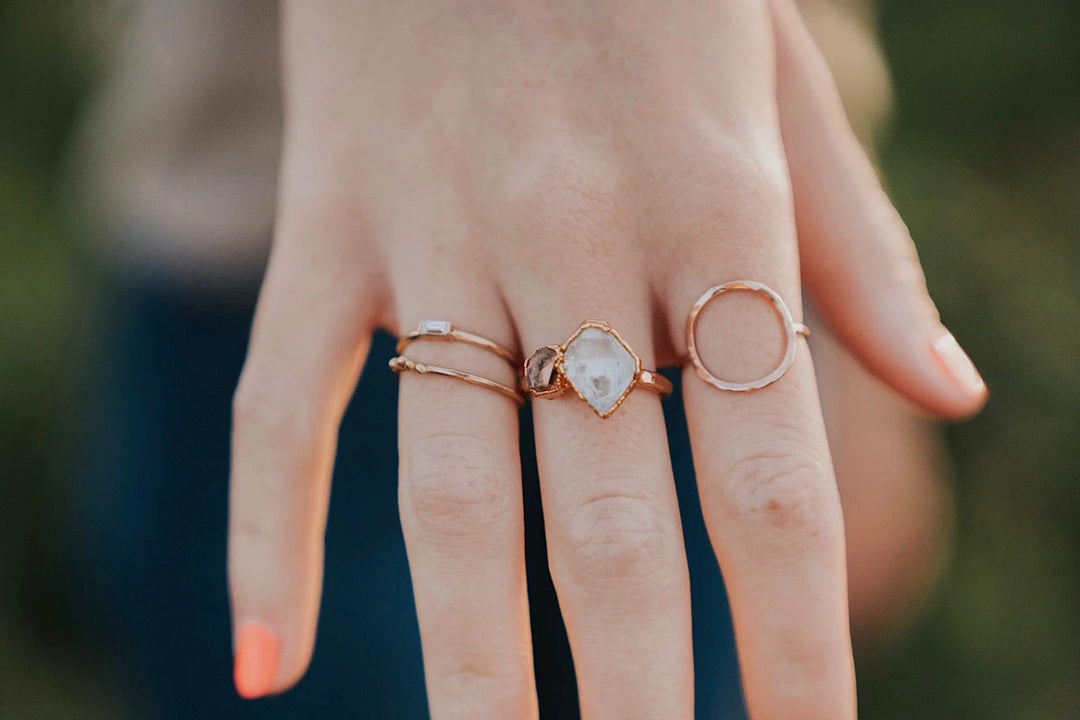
(795, 683)
(617, 537)
(491, 689)
(567, 177)
(806, 701)
(779, 495)
(777, 492)
(571, 193)
(249, 533)
(754, 177)
(260, 407)
(752, 180)
(454, 486)
(249, 541)
(754, 173)
(315, 208)
(251, 398)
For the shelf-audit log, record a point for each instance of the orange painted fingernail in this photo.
(256, 660)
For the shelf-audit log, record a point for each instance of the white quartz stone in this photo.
(599, 368)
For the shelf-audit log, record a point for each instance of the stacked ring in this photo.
(445, 330)
(595, 361)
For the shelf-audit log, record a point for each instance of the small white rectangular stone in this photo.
(435, 327)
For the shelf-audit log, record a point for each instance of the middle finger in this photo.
(613, 531)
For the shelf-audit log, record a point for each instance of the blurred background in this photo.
(981, 155)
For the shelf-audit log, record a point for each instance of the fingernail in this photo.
(958, 363)
(256, 660)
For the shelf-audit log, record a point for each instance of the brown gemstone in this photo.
(540, 369)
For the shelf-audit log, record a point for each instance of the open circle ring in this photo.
(792, 331)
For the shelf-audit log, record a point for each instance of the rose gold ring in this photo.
(402, 364)
(445, 330)
(792, 331)
(597, 363)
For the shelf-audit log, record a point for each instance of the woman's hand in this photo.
(520, 167)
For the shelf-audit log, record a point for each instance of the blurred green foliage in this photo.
(44, 299)
(983, 161)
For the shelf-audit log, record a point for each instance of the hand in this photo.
(518, 168)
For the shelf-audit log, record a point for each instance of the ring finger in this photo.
(768, 493)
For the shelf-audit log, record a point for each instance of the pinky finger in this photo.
(858, 260)
(308, 343)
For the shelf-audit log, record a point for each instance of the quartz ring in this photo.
(792, 331)
(596, 363)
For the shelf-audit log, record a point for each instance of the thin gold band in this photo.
(445, 330)
(402, 364)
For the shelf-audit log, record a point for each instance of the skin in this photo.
(519, 167)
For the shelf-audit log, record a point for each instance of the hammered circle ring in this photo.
(792, 331)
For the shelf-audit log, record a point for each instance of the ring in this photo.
(445, 330)
(792, 331)
(402, 364)
(598, 364)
